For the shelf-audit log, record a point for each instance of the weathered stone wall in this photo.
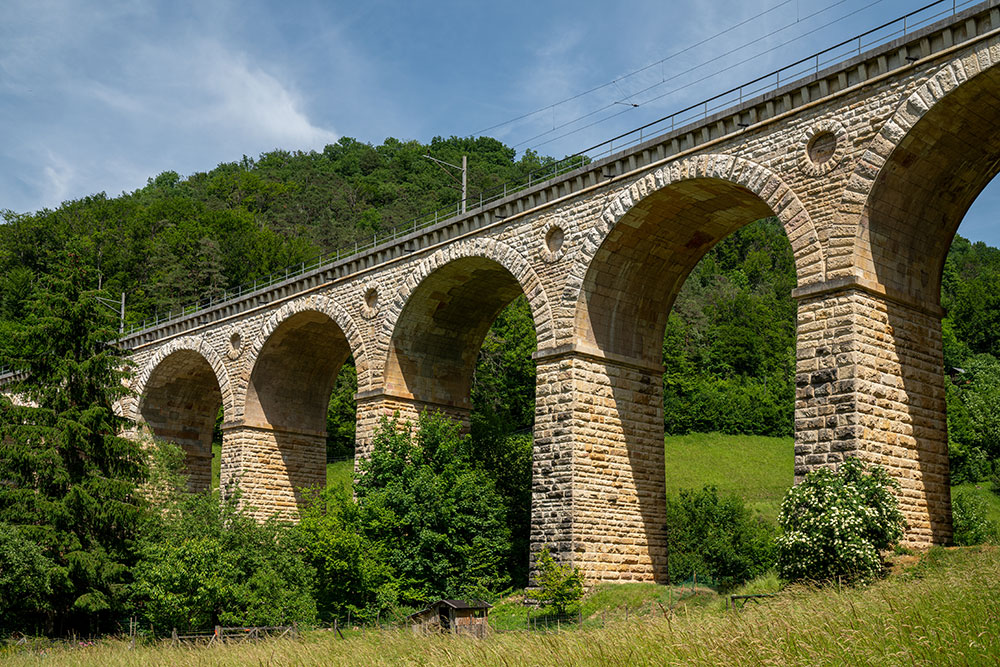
(870, 384)
(598, 497)
(839, 157)
(272, 468)
(372, 408)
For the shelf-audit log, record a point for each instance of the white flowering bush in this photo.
(837, 524)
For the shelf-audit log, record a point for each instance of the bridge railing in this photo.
(897, 28)
(390, 235)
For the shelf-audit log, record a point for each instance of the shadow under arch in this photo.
(292, 368)
(180, 391)
(652, 236)
(744, 187)
(436, 325)
(920, 176)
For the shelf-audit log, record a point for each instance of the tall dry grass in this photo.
(944, 611)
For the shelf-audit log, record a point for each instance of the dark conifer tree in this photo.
(69, 479)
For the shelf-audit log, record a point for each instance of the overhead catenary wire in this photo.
(634, 72)
(530, 141)
(575, 160)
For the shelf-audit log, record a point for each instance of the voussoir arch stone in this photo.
(195, 344)
(319, 303)
(754, 177)
(487, 248)
(868, 168)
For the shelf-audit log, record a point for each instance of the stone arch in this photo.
(493, 273)
(756, 178)
(280, 437)
(486, 248)
(929, 161)
(321, 304)
(178, 394)
(657, 229)
(193, 344)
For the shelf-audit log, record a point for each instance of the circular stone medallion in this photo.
(822, 147)
(555, 239)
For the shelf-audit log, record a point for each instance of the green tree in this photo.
(353, 575)
(503, 400)
(560, 587)
(204, 562)
(25, 581)
(437, 515)
(70, 481)
(718, 538)
(340, 417)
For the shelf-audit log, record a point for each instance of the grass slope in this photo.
(944, 610)
(340, 473)
(759, 469)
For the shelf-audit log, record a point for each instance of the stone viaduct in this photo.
(870, 165)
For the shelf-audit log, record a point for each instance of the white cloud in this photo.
(99, 100)
(242, 97)
(58, 179)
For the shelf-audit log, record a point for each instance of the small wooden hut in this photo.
(456, 616)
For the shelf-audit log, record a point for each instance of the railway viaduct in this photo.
(870, 165)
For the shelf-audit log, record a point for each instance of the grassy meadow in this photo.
(943, 609)
(757, 468)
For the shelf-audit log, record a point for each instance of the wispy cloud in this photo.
(86, 113)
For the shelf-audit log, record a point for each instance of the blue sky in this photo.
(101, 96)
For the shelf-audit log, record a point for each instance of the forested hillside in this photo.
(178, 240)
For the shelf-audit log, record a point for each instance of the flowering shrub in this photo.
(836, 524)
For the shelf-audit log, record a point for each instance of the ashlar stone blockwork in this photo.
(869, 166)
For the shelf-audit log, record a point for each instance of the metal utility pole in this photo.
(465, 174)
(119, 309)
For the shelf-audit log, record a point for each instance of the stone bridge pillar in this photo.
(375, 404)
(598, 496)
(272, 466)
(869, 383)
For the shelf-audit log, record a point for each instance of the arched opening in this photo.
(631, 284)
(929, 177)
(462, 346)
(179, 403)
(927, 184)
(283, 435)
(636, 274)
(441, 329)
(729, 372)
